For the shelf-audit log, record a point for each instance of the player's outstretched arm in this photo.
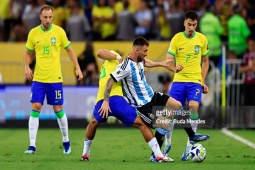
(108, 55)
(73, 58)
(172, 66)
(105, 108)
(28, 71)
(151, 64)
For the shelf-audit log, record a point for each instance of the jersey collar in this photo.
(43, 29)
(187, 36)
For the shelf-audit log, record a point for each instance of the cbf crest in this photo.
(197, 47)
(53, 41)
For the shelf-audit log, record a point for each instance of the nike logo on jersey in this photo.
(56, 101)
(181, 48)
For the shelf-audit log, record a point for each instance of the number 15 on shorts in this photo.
(58, 94)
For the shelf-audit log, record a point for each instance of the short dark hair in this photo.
(46, 7)
(140, 41)
(191, 15)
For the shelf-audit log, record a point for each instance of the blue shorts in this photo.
(52, 91)
(181, 91)
(120, 109)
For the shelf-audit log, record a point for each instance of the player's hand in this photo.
(179, 68)
(79, 74)
(105, 108)
(205, 89)
(28, 73)
(166, 63)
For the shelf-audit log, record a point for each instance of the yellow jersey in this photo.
(46, 45)
(107, 68)
(105, 28)
(189, 52)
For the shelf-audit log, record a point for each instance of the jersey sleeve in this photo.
(122, 71)
(64, 40)
(205, 50)
(245, 30)
(172, 47)
(29, 44)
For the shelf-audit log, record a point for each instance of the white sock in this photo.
(86, 148)
(33, 125)
(168, 136)
(194, 127)
(63, 125)
(188, 143)
(155, 147)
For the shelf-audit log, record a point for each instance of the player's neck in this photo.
(133, 57)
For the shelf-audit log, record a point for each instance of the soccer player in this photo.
(137, 91)
(46, 40)
(119, 109)
(189, 49)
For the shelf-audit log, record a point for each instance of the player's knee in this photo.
(57, 108)
(178, 104)
(94, 122)
(138, 122)
(174, 103)
(37, 106)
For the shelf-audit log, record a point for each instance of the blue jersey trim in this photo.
(148, 88)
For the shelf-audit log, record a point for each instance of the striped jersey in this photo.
(135, 88)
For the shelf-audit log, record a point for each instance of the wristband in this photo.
(118, 57)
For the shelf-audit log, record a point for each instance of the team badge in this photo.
(53, 41)
(197, 49)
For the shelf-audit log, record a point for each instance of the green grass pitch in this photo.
(119, 149)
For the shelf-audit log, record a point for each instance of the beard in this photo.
(46, 26)
(191, 33)
(140, 59)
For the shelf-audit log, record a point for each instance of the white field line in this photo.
(237, 137)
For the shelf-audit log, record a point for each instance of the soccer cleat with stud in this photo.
(198, 138)
(85, 157)
(152, 158)
(166, 150)
(67, 147)
(186, 155)
(164, 159)
(30, 150)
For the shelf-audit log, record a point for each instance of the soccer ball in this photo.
(197, 153)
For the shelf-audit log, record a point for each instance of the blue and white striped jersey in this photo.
(135, 88)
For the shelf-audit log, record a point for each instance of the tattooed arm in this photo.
(105, 108)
